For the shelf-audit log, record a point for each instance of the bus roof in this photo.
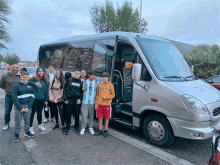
(129, 35)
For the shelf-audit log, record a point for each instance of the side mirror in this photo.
(192, 69)
(136, 72)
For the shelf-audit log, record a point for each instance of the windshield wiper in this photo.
(175, 77)
(191, 77)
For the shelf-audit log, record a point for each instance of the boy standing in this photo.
(105, 94)
(73, 95)
(89, 88)
(23, 99)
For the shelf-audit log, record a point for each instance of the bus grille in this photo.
(216, 111)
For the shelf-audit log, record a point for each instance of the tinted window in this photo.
(68, 57)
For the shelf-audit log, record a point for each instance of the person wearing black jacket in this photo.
(23, 99)
(73, 96)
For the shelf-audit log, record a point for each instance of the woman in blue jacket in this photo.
(40, 85)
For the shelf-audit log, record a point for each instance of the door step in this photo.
(129, 113)
(125, 122)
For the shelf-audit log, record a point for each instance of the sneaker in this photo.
(82, 131)
(16, 138)
(91, 131)
(53, 119)
(28, 134)
(56, 126)
(67, 131)
(31, 130)
(99, 132)
(72, 124)
(6, 126)
(105, 134)
(77, 131)
(41, 127)
(63, 130)
(46, 120)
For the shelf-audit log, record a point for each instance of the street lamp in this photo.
(140, 17)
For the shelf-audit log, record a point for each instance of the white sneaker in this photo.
(41, 127)
(91, 131)
(31, 130)
(46, 120)
(82, 131)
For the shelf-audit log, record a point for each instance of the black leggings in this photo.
(55, 107)
(37, 106)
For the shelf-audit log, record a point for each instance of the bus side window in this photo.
(145, 75)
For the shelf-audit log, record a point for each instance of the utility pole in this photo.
(140, 17)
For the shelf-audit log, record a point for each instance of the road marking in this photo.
(147, 148)
(29, 144)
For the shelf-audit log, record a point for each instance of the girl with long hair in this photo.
(56, 98)
(40, 85)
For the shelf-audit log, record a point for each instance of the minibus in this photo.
(158, 93)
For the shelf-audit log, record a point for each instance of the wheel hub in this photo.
(156, 130)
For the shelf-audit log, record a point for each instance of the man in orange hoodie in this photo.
(104, 96)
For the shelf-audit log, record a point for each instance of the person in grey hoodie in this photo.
(40, 85)
(7, 82)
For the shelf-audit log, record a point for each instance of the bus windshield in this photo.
(165, 59)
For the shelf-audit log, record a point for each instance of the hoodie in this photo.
(40, 92)
(23, 94)
(73, 90)
(107, 90)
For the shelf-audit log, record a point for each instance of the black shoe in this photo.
(67, 131)
(63, 130)
(77, 131)
(16, 138)
(105, 134)
(56, 126)
(28, 134)
(99, 132)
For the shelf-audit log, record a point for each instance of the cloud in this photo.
(195, 22)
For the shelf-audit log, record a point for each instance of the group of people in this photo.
(58, 94)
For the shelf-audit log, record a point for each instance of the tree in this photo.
(105, 18)
(11, 59)
(5, 12)
(206, 60)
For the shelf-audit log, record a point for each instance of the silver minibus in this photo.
(157, 92)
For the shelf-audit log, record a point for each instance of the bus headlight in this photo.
(194, 105)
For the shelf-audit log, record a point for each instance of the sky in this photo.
(36, 22)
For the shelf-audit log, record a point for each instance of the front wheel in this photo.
(158, 130)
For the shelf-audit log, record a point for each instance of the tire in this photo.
(158, 130)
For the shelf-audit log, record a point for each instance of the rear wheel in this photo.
(158, 130)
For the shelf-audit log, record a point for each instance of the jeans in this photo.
(37, 106)
(74, 109)
(8, 107)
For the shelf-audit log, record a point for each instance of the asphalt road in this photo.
(52, 147)
(195, 151)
